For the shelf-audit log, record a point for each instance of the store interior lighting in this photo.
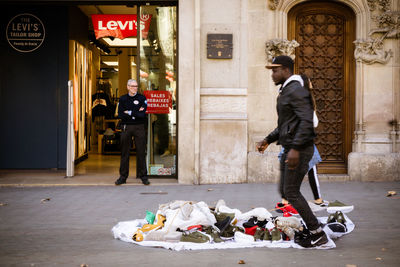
(114, 63)
(127, 42)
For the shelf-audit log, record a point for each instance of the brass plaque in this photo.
(219, 46)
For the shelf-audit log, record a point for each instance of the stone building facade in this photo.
(227, 105)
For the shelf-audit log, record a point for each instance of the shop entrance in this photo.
(113, 52)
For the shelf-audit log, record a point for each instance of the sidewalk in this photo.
(40, 178)
(71, 225)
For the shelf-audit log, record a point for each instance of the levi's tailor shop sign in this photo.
(25, 32)
(120, 26)
(158, 102)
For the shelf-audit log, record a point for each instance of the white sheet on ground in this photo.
(125, 230)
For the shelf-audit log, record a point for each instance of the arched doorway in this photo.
(325, 32)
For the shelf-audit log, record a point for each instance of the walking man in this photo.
(132, 112)
(295, 132)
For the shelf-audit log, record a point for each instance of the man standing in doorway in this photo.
(295, 132)
(132, 112)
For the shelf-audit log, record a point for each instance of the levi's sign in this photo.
(25, 32)
(120, 26)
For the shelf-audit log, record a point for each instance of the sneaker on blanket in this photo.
(288, 208)
(276, 235)
(253, 221)
(259, 233)
(213, 233)
(337, 227)
(311, 240)
(222, 225)
(340, 217)
(279, 207)
(194, 237)
(320, 202)
(339, 206)
(292, 222)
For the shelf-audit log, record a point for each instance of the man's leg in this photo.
(126, 143)
(140, 143)
(292, 183)
(282, 173)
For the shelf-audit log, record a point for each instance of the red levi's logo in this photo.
(120, 26)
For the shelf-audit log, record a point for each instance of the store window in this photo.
(158, 68)
(119, 50)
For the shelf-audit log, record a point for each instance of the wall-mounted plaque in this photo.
(25, 32)
(219, 46)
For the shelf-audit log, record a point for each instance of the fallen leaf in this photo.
(378, 258)
(351, 265)
(3, 204)
(391, 193)
(45, 200)
(84, 265)
(210, 189)
(241, 262)
(383, 249)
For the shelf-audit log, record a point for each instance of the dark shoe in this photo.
(311, 240)
(222, 225)
(121, 180)
(337, 227)
(145, 181)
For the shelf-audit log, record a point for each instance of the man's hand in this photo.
(292, 159)
(261, 146)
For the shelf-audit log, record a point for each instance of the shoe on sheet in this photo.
(311, 240)
(337, 227)
(276, 235)
(195, 237)
(339, 206)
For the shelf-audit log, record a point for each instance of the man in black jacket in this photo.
(132, 112)
(295, 132)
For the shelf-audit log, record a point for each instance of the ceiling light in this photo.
(111, 63)
(114, 63)
(124, 42)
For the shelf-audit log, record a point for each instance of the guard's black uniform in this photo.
(133, 124)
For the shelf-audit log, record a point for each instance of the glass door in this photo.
(157, 76)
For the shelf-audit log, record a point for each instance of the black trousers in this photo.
(314, 183)
(137, 131)
(290, 183)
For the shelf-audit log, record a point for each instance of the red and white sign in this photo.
(158, 102)
(120, 26)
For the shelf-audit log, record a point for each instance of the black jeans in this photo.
(290, 183)
(138, 131)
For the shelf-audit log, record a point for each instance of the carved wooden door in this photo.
(325, 32)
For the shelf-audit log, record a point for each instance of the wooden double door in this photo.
(325, 32)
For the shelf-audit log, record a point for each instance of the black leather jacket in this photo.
(295, 118)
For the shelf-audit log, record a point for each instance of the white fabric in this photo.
(168, 237)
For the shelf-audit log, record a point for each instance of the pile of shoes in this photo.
(181, 224)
